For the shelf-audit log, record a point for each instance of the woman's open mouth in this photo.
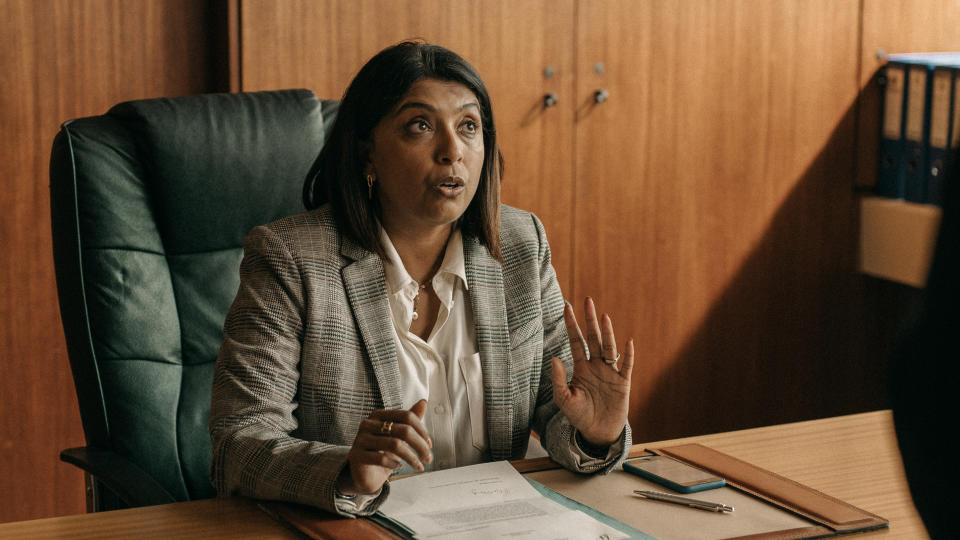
(450, 186)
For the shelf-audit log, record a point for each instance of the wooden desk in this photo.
(211, 518)
(854, 458)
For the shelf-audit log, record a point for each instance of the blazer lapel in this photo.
(366, 289)
(485, 281)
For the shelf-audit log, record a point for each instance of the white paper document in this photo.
(489, 500)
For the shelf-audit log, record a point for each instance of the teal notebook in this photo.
(402, 531)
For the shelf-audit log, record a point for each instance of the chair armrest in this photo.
(134, 486)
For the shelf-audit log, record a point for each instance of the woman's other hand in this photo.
(597, 399)
(385, 440)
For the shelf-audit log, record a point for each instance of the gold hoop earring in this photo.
(370, 179)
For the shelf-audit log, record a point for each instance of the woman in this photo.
(408, 321)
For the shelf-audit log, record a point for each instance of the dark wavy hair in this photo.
(337, 175)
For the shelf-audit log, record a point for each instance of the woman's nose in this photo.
(449, 146)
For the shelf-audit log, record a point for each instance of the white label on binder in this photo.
(940, 108)
(915, 103)
(894, 102)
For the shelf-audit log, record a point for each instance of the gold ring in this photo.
(611, 361)
(386, 427)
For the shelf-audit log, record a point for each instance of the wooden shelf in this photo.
(897, 239)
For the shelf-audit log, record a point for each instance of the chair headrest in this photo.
(205, 158)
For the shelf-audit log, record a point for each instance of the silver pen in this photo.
(676, 499)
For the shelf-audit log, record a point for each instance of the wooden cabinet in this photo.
(714, 205)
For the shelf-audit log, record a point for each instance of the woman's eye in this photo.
(418, 126)
(471, 126)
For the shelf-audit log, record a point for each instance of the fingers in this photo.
(600, 343)
(609, 342)
(389, 437)
(390, 450)
(593, 328)
(385, 440)
(420, 408)
(578, 345)
(626, 368)
(561, 392)
(412, 418)
(365, 452)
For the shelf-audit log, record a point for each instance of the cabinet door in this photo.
(321, 45)
(714, 211)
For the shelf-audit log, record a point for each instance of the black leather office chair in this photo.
(150, 204)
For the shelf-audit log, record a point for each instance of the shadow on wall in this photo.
(799, 333)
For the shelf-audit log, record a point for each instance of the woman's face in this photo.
(427, 155)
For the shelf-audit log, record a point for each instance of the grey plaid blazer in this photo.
(308, 353)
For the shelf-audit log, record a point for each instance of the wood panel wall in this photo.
(62, 59)
(719, 223)
(739, 258)
(713, 210)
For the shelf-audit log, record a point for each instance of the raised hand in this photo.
(384, 441)
(598, 396)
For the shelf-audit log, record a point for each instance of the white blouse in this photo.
(444, 369)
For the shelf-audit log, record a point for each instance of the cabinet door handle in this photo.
(601, 95)
(550, 100)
